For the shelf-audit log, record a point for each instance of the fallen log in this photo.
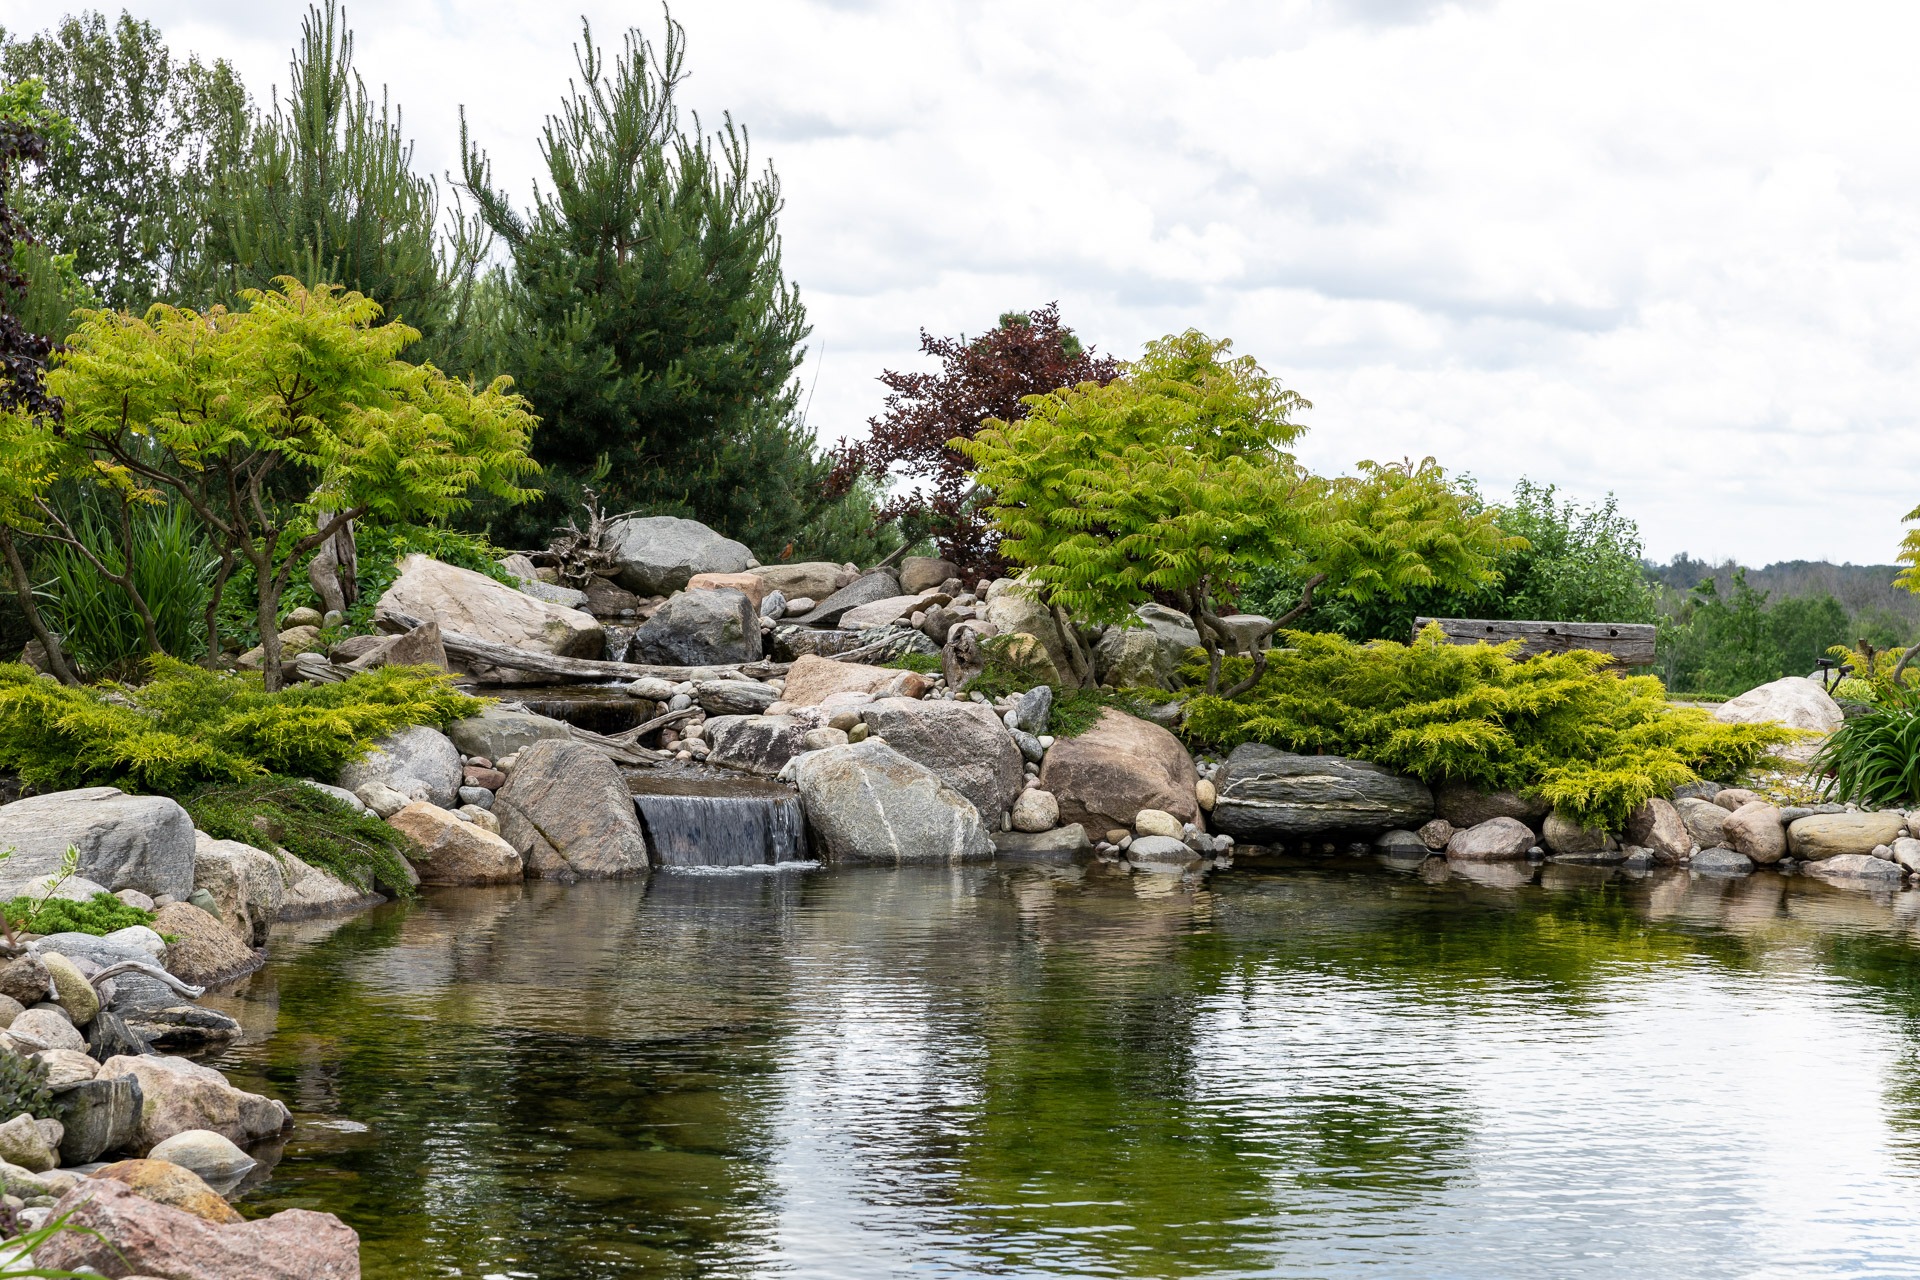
(473, 649)
(1627, 643)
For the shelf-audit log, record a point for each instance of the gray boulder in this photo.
(734, 697)
(495, 734)
(1796, 702)
(1266, 795)
(472, 604)
(963, 743)
(1465, 805)
(566, 809)
(1861, 869)
(248, 885)
(808, 580)
(1147, 655)
(1754, 829)
(418, 754)
(924, 573)
(868, 803)
(754, 744)
(1056, 844)
(1722, 862)
(125, 842)
(866, 589)
(1010, 609)
(658, 555)
(1657, 827)
(1162, 853)
(1499, 839)
(1706, 821)
(1562, 835)
(99, 1115)
(700, 628)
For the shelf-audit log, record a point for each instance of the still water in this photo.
(1328, 1071)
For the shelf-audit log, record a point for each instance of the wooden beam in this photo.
(1628, 643)
(487, 653)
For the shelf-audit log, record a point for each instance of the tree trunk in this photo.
(1077, 657)
(267, 616)
(220, 576)
(23, 587)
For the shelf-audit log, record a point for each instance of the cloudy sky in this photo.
(1667, 251)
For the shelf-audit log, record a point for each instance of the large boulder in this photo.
(924, 573)
(809, 580)
(878, 585)
(963, 742)
(472, 604)
(164, 1182)
(1266, 796)
(1066, 845)
(754, 744)
(1012, 610)
(1147, 654)
(1657, 826)
(658, 555)
(1498, 839)
(1107, 775)
(177, 1094)
(209, 1155)
(204, 951)
(1830, 835)
(1706, 821)
(868, 803)
(125, 842)
(567, 811)
(734, 697)
(813, 679)
(1861, 870)
(1465, 805)
(115, 1230)
(420, 647)
(455, 852)
(248, 885)
(98, 1115)
(419, 762)
(889, 610)
(1754, 829)
(700, 628)
(496, 733)
(313, 892)
(750, 585)
(1563, 835)
(1795, 701)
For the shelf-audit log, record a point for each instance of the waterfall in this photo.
(719, 822)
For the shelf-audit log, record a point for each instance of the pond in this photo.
(1327, 1071)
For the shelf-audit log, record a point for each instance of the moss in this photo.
(313, 826)
(99, 915)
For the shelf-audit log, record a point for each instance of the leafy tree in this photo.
(123, 194)
(210, 407)
(647, 318)
(1174, 480)
(988, 377)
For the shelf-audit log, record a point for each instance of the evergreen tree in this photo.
(647, 317)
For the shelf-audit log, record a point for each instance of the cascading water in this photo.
(602, 708)
(706, 821)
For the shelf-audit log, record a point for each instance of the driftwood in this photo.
(153, 971)
(490, 654)
(1627, 643)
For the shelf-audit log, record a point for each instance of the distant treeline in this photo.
(1861, 589)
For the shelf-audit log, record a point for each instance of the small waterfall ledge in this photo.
(714, 820)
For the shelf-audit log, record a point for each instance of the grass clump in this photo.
(187, 727)
(313, 826)
(927, 664)
(1874, 758)
(99, 915)
(1077, 710)
(1556, 726)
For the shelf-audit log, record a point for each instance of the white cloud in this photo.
(1663, 250)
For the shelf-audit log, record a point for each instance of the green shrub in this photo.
(313, 826)
(23, 1087)
(187, 726)
(1595, 745)
(1077, 710)
(171, 567)
(927, 664)
(99, 915)
(1874, 758)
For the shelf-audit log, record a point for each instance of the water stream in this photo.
(696, 820)
(1340, 1070)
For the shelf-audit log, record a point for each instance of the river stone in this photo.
(924, 573)
(1060, 845)
(749, 585)
(1036, 810)
(734, 697)
(183, 1028)
(1755, 830)
(1162, 853)
(1561, 834)
(248, 885)
(1796, 702)
(1852, 868)
(1656, 826)
(868, 803)
(22, 1142)
(117, 1231)
(125, 842)
(99, 1115)
(755, 744)
(455, 852)
(658, 555)
(1401, 843)
(1266, 796)
(1731, 798)
(75, 994)
(24, 979)
(313, 892)
(173, 1185)
(1495, 840)
(813, 679)
(568, 812)
(1724, 862)
(1120, 766)
(472, 604)
(1157, 822)
(878, 585)
(809, 580)
(46, 1029)
(1465, 805)
(1029, 711)
(418, 754)
(294, 641)
(66, 1068)
(1013, 612)
(210, 1156)
(1906, 852)
(1830, 835)
(1436, 834)
(1148, 653)
(699, 628)
(962, 742)
(496, 733)
(204, 951)
(1706, 821)
(423, 646)
(9, 1010)
(178, 1094)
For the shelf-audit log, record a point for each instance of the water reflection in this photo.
(1326, 1070)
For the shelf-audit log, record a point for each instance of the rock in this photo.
(46, 1029)
(962, 742)
(9, 1010)
(1562, 834)
(885, 612)
(1267, 796)
(699, 628)
(1157, 822)
(421, 646)
(312, 892)
(496, 733)
(1120, 766)
(734, 697)
(755, 744)
(67, 1067)
(75, 994)
(751, 585)
(248, 885)
(1906, 852)
(471, 604)
(1723, 862)
(1706, 821)
(658, 555)
(141, 902)
(868, 803)
(1035, 809)
(1754, 829)
(1028, 656)
(1731, 798)
(1206, 794)
(924, 573)
(173, 1185)
(1161, 853)
(878, 585)
(23, 1143)
(383, 801)
(125, 842)
(478, 779)
(1436, 834)
(1066, 844)
(1029, 711)
(183, 1028)
(608, 599)
(341, 794)
(812, 579)
(1862, 868)
(24, 979)
(1657, 827)
(211, 1156)
(568, 812)
(418, 754)
(178, 1094)
(812, 680)
(302, 617)
(1796, 702)
(1495, 840)
(1465, 805)
(456, 852)
(294, 641)
(204, 951)
(773, 606)
(100, 1115)
(1147, 655)
(1833, 834)
(478, 809)
(119, 1232)
(1400, 844)
(1012, 611)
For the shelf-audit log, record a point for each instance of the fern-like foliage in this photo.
(1596, 745)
